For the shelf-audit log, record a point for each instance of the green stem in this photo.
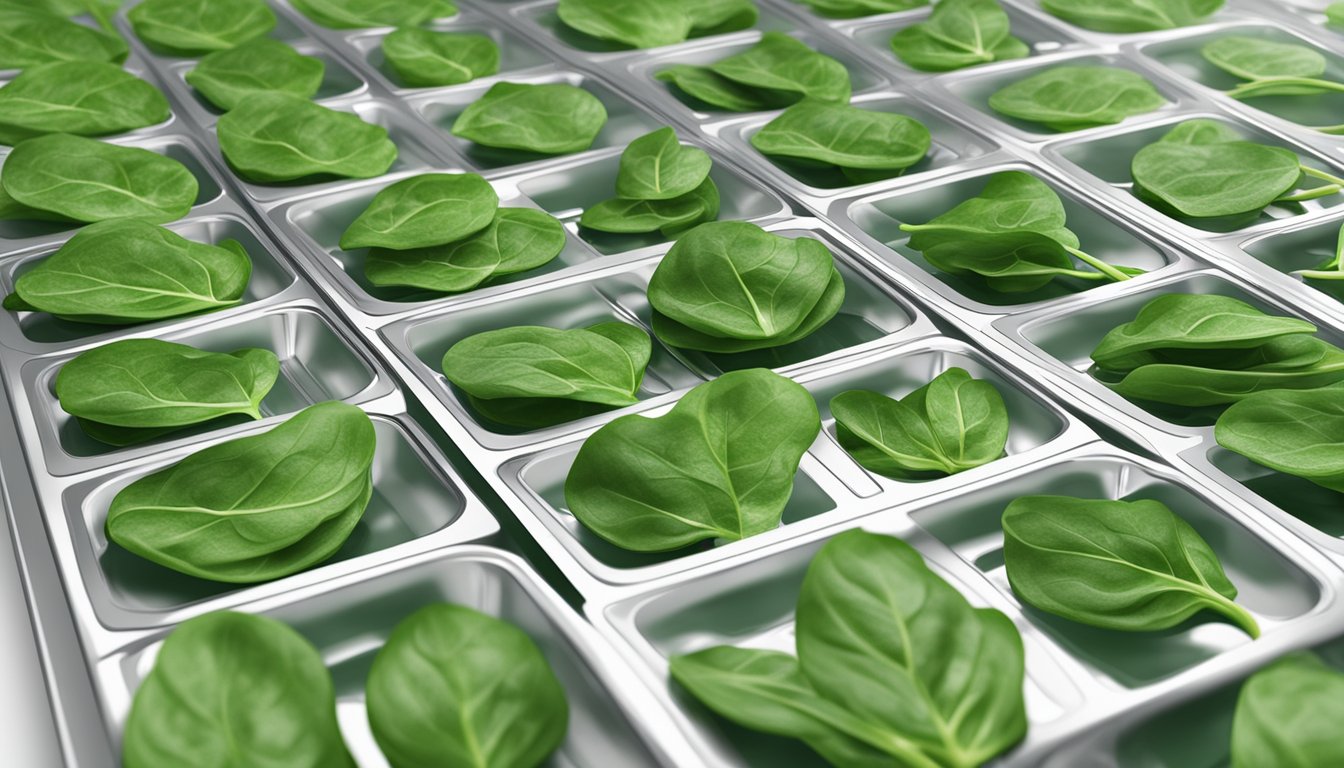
(1310, 194)
(1098, 264)
(1239, 616)
(1333, 130)
(1322, 175)
(1267, 83)
(1317, 274)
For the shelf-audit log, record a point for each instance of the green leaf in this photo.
(517, 239)
(31, 36)
(1252, 58)
(601, 364)
(718, 92)
(1012, 201)
(1072, 98)
(424, 58)
(1334, 14)
(273, 137)
(86, 98)
(551, 119)
(949, 425)
(88, 180)
(844, 136)
(675, 334)
(1288, 714)
(425, 210)
(235, 689)
(453, 686)
(708, 195)
(1125, 565)
(358, 14)
(227, 78)
(130, 271)
(1132, 15)
(657, 167)
(958, 34)
(256, 508)
(784, 64)
(1201, 131)
(196, 27)
(850, 9)
(635, 23)
(720, 464)
(624, 216)
(719, 17)
(1206, 180)
(1300, 432)
(1198, 385)
(153, 383)
(1008, 262)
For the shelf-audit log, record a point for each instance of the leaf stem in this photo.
(1267, 83)
(1239, 616)
(1316, 173)
(1099, 265)
(1310, 194)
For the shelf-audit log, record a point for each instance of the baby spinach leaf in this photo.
(424, 58)
(516, 240)
(1287, 715)
(86, 98)
(720, 464)
(153, 383)
(717, 91)
(226, 78)
(849, 9)
(657, 167)
(601, 364)
(949, 425)
(844, 136)
(652, 23)
(1072, 98)
(677, 335)
(87, 180)
(453, 686)
(272, 137)
(425, 210)
(783, 64)
(235, 689)
(735, 280)
(626, 216)
(32, 36)
(1012, 201)
(1300, 432)
(1125, 565)
(959, 33)
(197, 27)
(130, 271)
(256, 508)
(708, 195)
(550, 119)
(357, 14)
(1334, 15)
(1272, 68)
(1132, 15)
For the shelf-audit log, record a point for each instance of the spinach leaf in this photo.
(1132, 15)
(1271, 69)
(716, 91)
(226, 78)
(87, 180)
(720, 464)
(634, 23)
(272, 137)
(949, 425)
(424, 58)
(357, 14)
(86, 98)
(1300, 432)
(1073, 98)
(130, 271)
(153, 383)
(785, 65)
(894, 667)
(849, 9)
(197, 27)
(256, 508)
(657, 167)
(601, 364)
(453, 686)
(958, 34)
(1334, 15)
(1288, 714)
(550, 119)
(235, 689)
(516, 240)
(844, 136)
(32, 36)
(429, 209)
(734, 280)
(1127, 565)
(621, 215)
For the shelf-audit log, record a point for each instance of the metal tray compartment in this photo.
(1304, 248)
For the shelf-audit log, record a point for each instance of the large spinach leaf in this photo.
(1288, 715)
(234, 689)
(453, 686)
(949, 425)
(1300, 432)
(424, 58)
(1071, 98)
(849, 9)
(87, 98)
(1126, 565)
(1132, 15)
(550, 119)
(356, 14)
(197, 27)
(256, 508)
(425, 210)
(894, 667)
(959, 33)
(661, 185)
(227, 78)
(31, 36)
(271, 137)
(719, 465)
(844, 136)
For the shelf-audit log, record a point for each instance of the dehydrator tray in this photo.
(464, 514)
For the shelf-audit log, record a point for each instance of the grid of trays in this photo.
(467, 515)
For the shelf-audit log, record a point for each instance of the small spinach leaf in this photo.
(453, 686)
(357, 14)
(197, 27)
(717, 91)
(32, 36)
(1300, 432)
(1132, 15)
(783, 64)
(959, 33)
(1287, 715)
(677, 335)
(652, 23)
(657, 167)
(1271, 68)
(550, 119)
(424, 58)
(226, 78)
(1073, 98)
(273, 137)
(625, 216)
(850, 9)
(1126, 565)
(425, 210)
(844, 136)
(1334, 15)
(720, 464)
(86, 98)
